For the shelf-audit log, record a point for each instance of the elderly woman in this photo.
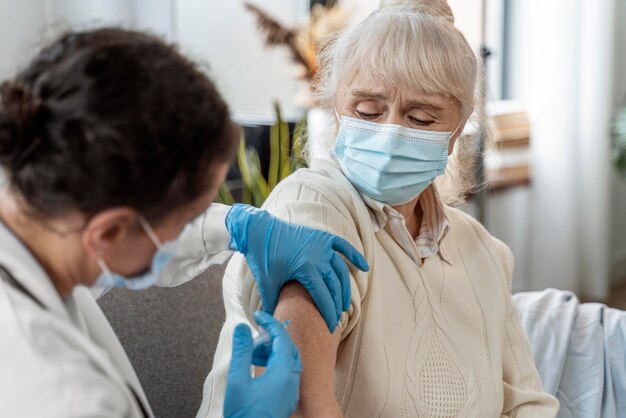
(432, 330)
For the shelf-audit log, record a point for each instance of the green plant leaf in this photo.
(253, 178)
(285, 151)
(224, 195)
(244, 170)
(284, 144)
(619, 141)
(260, 187)
(246, 195)
(299, 140)
(285, 158)
(242, 162)
(274, 169)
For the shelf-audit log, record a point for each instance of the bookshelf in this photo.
(507, 161)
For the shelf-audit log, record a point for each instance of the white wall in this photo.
(78, 14)
(155, 16)
(224, 36)
(220, 34)
(21, 29)
(27, 25)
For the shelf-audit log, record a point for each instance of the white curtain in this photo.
(569, 64)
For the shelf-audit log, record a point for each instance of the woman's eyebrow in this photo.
(421, 103)
(424, 104)
(367, 94)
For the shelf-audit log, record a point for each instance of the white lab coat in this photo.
(62, 359)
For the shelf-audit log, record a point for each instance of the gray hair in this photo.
(404, 43)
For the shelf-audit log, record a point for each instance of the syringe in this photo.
(265, 339)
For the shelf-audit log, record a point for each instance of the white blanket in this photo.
(579, 350)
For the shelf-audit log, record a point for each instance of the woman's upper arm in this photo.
(304, 205)
(318, 351)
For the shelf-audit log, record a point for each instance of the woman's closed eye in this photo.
(368, 115)
(368, 109)
(421, 122)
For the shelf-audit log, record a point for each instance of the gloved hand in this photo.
(274, 394)
(278, 252)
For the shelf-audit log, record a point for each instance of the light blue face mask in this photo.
(390, 163)
(164, 254)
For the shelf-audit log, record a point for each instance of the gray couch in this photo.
(170, 335)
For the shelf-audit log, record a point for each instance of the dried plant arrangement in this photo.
(302, 42)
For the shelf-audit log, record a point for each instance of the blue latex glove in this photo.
(278, 252)
(274, 394)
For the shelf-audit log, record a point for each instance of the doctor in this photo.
(113, 145)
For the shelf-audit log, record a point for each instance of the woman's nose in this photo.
(394, 117)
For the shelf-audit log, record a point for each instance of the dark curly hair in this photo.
(108, 118)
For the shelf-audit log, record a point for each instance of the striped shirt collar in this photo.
(433, 230)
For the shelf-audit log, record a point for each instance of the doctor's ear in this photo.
(107, 228)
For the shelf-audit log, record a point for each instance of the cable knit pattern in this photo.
(441, 339)
(441, 376)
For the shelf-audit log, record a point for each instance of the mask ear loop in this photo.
(103, 266)
(456, 129)
(150, 232)
(337, 115)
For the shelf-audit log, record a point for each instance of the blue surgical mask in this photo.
(390, 163)
(165, 252)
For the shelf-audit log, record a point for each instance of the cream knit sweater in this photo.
(441, 340)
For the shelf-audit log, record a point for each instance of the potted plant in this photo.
(285, 158)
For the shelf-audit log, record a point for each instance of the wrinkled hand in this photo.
(275, 393)
(278, 252)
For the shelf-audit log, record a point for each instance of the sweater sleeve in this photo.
(522, 389)
(295, 202)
